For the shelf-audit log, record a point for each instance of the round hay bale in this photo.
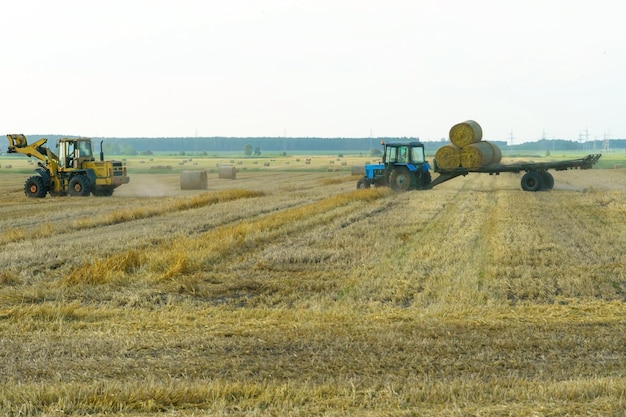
(193, 180)
(358, 170)
(448, 156)
(466, 133)
(497, 153)
(479, 154)
(227, 172)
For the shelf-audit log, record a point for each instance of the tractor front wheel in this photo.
(34, 187)
(79, 186)
(362, 183)
(400, 179)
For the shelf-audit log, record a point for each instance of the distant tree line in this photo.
(283, 145)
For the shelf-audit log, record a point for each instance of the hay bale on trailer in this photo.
(193, 180)
(227, 172)
(466, 133)
(480, 154)
(448, 156)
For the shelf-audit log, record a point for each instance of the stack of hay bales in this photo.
(193, 180)
(467, 149)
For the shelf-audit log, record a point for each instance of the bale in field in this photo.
(448, 156)
(466, 133)
(193, 180)
(358, 170)
(227, 172)
(480, 154)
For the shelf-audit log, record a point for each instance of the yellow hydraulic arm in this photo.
(18, 144)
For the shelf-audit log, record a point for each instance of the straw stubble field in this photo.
(294, 294)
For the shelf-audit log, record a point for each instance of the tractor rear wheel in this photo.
(34, 187)
(532, 181)
(79, 186)
(400, 179)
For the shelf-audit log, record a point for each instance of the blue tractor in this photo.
(403, 167)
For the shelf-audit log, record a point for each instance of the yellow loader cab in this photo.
(73, 171)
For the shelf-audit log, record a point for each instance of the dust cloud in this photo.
(150, 185)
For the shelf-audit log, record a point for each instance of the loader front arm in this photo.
(19, 144)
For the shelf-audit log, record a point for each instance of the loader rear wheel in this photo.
(34, 187)
(79, 186)
(400, 179)
(532, 181)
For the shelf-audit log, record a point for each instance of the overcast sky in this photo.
(316, 68)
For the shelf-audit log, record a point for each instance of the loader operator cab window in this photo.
(71, 151)
(84, 149)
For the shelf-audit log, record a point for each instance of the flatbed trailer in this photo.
(404, 167)
(536, 175)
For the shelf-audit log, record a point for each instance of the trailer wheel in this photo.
(362, 183)
(532, 181)
(34, 187)
(400, 179)
(79, 186)
(548, 180)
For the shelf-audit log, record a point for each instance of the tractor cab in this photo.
(403, 167)
(411, 153)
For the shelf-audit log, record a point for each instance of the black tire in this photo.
(104, 192)
(532, 181)
(362, 184)
(426, 179)
(548, 180)
(79, 186)
(34, 187)
(400, 179)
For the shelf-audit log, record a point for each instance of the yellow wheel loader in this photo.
(73, 171)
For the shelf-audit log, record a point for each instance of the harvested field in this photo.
(292, 293)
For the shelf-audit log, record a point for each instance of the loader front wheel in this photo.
(79, 186)
(400, 179)
(34, 187)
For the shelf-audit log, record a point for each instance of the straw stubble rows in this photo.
(469, 299)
